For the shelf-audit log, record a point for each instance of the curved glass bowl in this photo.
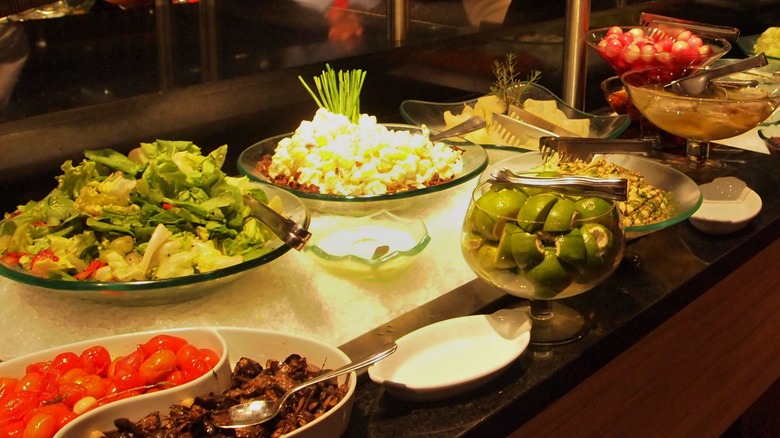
(710, 116)
(686, 194)
(630, 58)
(474, 162)
(377, 247)
(431, 114)
(169, 290)
(531, 242)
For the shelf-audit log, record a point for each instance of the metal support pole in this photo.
(209, 36)
(162, 13)
(574, 51)
(397, 21)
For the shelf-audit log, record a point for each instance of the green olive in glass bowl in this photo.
(542, 245)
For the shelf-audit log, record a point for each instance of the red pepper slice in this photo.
(45, 254)
(12, 258)
(94, 265)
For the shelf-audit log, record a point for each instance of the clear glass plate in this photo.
(748, 43)
(431, 114)
(170, 290)
(686, 194)
(475, 160)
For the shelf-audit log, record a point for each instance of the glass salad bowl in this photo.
(377, 247)
(627, 48)
(474, 159)
(434, 115)
(685, 193)
(168, 290)
(162, 224)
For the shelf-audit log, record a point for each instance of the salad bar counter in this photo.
(146, 267)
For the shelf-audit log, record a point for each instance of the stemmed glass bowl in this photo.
(542, 245)
(731, 106)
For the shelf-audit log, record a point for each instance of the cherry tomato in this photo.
(7, 387)
(186, 356)
(65, 362)
(95, 360)
(17, 405)
(41, 426)
(130, 362)
(127, 379)
(70, 393)
(163, 342)
(209, 356)
(12, 429)
(175, 378)
(157, 366)
(32, 382)
(95, 386)
(72, 376)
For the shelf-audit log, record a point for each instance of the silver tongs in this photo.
(291, 233)
(610, 188)
(584, 149)
(700, 82)
(470, 125)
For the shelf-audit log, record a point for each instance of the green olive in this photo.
(593, 207)
(493, 207)
(533, 213)
(561, 217)
(571, 248)
(550, 277)
(526, 248)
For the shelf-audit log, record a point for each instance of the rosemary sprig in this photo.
(508, 87)
(339, 94)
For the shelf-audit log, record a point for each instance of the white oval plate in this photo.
(453, 356)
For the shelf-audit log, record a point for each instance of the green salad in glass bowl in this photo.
(162, 223)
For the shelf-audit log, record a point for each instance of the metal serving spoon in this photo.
(698, 83)
(260, 411)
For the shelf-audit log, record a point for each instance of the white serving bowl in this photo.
(102, 418)
(728, 206)
(259, 345)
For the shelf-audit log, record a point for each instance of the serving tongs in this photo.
(699, 83)
(671, 23)
(584, 149)
(470, 125)
(291, 233)
(609, 188)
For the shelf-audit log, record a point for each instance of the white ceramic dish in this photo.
(231, 344)
(102, 418)
(729, 205)
(453, 356)
(380, 246)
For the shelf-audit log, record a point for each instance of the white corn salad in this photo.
(367, 158)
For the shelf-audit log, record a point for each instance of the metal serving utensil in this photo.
(584, 149)
(610, 188)
(260, 411)
(469, 125)
(291, 233)
(696, 84)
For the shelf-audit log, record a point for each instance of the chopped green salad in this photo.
(163, 210)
